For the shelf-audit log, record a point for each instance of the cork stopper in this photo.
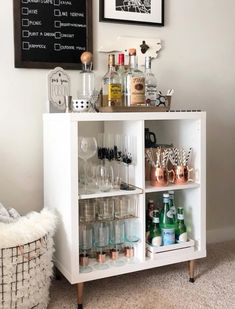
(132, 52)
(86, 57)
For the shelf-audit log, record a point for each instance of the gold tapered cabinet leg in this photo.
(191, 270)
(80, 287)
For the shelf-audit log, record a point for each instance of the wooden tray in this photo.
(135, 109)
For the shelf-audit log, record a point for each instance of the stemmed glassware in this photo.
(117, 238)
(87, 147)
(128, 158)
(101, 241)
(85, 243)
(132, 236)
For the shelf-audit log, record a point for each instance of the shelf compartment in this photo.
(149, 188)
(155, 252)
(110, 194)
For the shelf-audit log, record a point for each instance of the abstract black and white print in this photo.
(136, 6)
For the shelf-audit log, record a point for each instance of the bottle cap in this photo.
(111, 60)
(166, 195)
(120, 59)
(171, 192)
(151, 201)
(86, 57)
(132, 52)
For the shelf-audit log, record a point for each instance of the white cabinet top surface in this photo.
(123, 116)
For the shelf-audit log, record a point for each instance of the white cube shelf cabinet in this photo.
(61, 166)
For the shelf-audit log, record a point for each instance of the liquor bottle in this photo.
(181, 230)
(167, 225)
(149, 216)
(111, 85)
(150, 84)
(121, 72)
(155, 237)
(172, 205)
(134, 82)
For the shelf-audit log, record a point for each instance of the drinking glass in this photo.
(128, 158)
(117, 238)
(105, 209)
(87, 211)
(85, 243)
(132, 228)
(101, 241)
(87, 147)
(104, 177)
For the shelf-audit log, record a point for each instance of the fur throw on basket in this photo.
(26, 249)
(27, 228)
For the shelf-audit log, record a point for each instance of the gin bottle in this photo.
(181, 230)
(134, 82)
(111, 85)
(150, 84)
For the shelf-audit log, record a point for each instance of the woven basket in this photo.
(25, 274)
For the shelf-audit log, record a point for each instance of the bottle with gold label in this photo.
(111, 85)
(134, 82)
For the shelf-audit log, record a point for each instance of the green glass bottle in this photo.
(181, 229)
(167, 225)
(172, 205)
(155, 237)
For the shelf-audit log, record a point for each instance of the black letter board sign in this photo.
(51, 33)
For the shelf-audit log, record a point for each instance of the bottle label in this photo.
(157, 241)
(114, 92)
(151, 94)
(173, 210)
(155, 220)
(137, 90)
(180, 216)
(183, 237)
(168, 236)
(169, 214)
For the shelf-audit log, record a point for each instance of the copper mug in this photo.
(161, 176)
(182, 174)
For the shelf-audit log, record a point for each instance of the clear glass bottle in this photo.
(167, 225)
(155, 237)
(87, 78)
(134, 82)
(150, 84)
(181, 230)
(121, 72)
(111, 85)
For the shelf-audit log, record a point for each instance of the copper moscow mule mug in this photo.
(160, 176)
(182, 174)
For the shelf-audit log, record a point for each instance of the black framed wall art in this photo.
(140, 12)
(51, 33)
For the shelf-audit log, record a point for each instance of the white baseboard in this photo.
(220, 235)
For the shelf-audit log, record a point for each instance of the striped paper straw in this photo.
(188, 155)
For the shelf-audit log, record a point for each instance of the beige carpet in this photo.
(160, 288)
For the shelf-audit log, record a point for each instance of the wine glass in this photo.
(117, 238)
(85, 243)
(128, 158)
(132, 228)
(87, 147)
(101, 241)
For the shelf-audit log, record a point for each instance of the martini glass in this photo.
(87, 148)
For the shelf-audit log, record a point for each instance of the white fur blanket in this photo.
(27, 228)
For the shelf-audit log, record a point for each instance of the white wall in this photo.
(197, 60)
